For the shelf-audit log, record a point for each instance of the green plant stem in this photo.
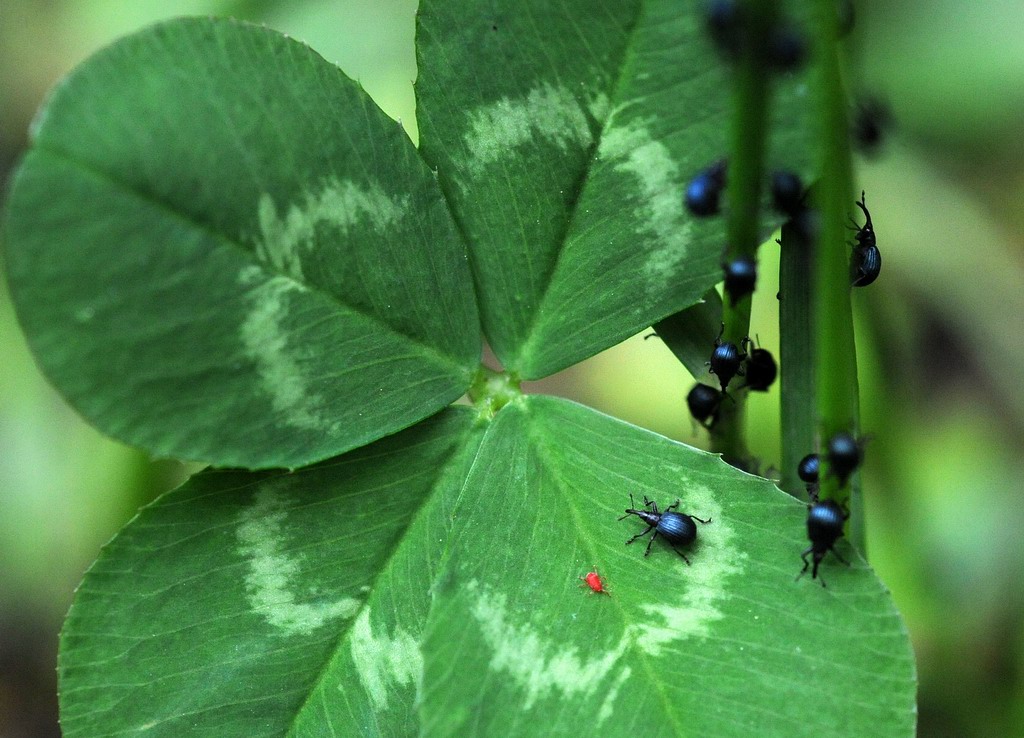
(835, 356)
(749, 135)
(751, 100)
(796, 355)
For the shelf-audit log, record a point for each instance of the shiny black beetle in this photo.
(865, 265)
(761, 369)
(705, 189)
(787, 193)
(703, 402)
(675, 527)
(740, 278)
(866, 262)
(726, 360)
(844, 454)
(808, 470)
(825, 520)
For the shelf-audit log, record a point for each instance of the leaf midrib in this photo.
(432, 353)
(516, 361)
(580, 185)
(577, 518)
(345, 632)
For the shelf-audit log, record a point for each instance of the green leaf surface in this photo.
(564, 134)
(689, 335)
(220, 249)
(729, 646)
(429, 585)
(239, 604)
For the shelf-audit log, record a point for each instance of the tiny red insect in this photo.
(593, 580)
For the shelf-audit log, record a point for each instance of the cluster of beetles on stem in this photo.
(785, 49)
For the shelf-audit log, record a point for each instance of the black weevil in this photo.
(675, 527)
(724, 21)
(865, 265)
(760, 369)
(726, 360)
(740, 278)
(866, 261)
(705, 189)
(825, 520)
(787, 193)
(870, 122)
(787, 48)
(704, 402)
(844, 455)
(808, 469)
(865, 233)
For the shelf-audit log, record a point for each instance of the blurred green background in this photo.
(941, 358)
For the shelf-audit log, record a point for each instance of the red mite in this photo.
(593, 580)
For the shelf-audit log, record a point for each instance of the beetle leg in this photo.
(681, 554)
(836, 554)
(638, 535)
(650, 542)
(673, 506)
(807, 563)
(814, 571)
(701, 520)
